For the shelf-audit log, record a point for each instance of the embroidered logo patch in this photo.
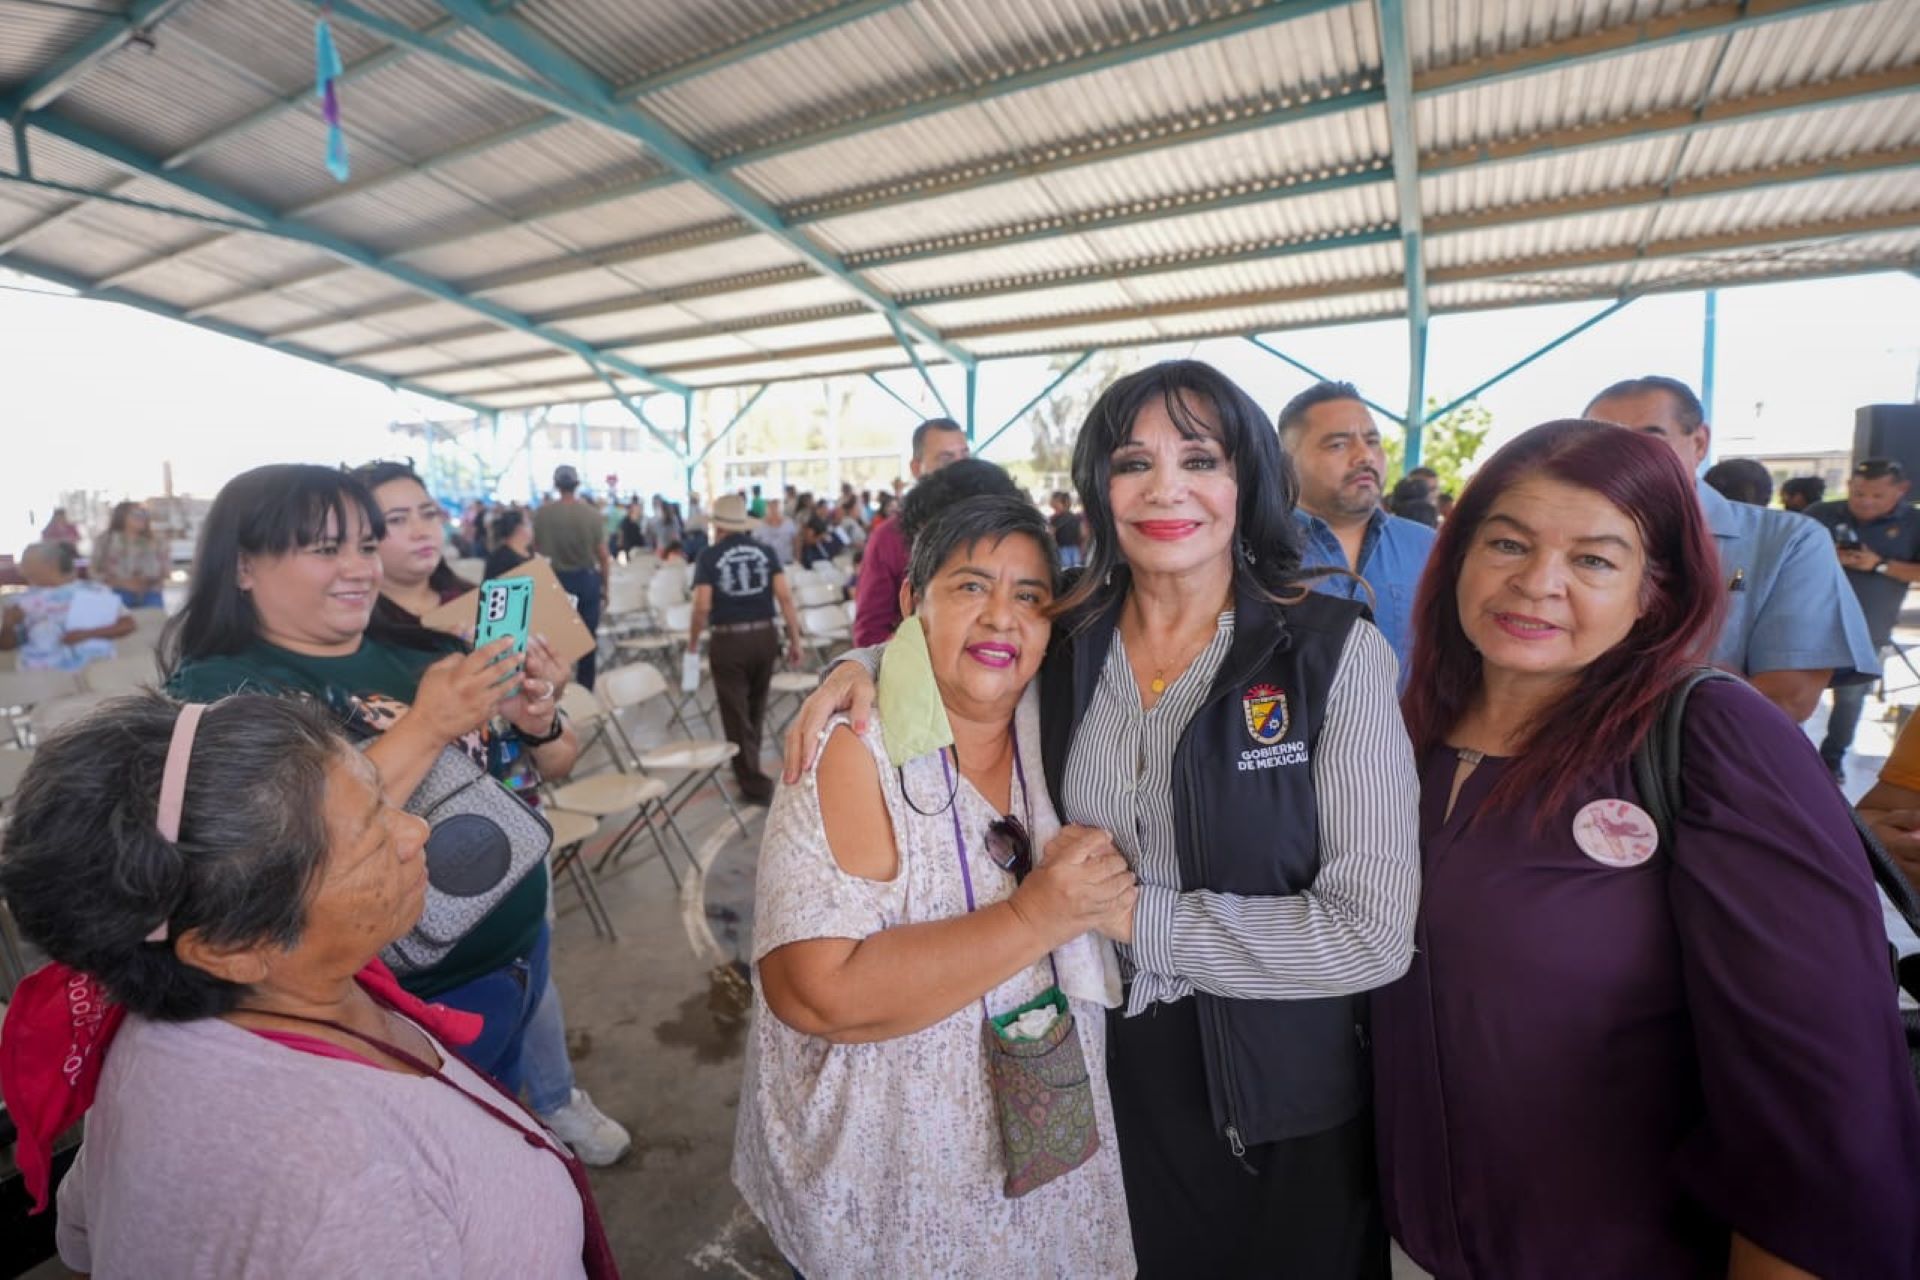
(1266, 709)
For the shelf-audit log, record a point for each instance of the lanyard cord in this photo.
(960, 842)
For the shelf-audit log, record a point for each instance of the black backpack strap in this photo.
(1656, 775)
(1657, 760)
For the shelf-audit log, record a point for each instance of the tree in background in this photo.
(1451, 444)
(1054, 423)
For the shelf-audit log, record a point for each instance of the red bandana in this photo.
(54, 1043)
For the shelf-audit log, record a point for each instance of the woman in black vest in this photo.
(1238, 738)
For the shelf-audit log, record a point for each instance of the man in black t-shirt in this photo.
(737, 584)
(1876, 534)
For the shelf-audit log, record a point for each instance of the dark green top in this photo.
(381, 679)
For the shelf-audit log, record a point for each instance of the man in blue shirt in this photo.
(1793, 626)
(1335, 446)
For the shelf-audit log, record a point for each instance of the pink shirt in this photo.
(213, 1152)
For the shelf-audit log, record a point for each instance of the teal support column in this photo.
(1416, 388)
(686, 437)
(1707, 337)
(973, 398)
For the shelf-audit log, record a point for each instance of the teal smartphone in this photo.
(506, 609)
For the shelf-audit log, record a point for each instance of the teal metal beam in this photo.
(1481, 388)
(67, 67)
(1709, 323)
(1397, 71)
(22, 153)
(1318, 376)
(913, 354)
(637, 407)
(133, 160)
(127, 202)
(973, 399)
(1102, 58)
(739, 416)
(1042, 394)
(904, 403)
(81, 285)
(581, 94)
(772, 38)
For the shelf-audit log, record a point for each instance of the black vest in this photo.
(1246, 822)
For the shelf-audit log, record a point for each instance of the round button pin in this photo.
(1616, 833)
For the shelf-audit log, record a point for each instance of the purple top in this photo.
(1598, 1070)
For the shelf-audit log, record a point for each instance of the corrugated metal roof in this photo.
(1015, 175)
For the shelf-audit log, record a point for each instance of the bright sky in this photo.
(95, 396)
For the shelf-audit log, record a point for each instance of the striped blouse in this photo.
(1347, 933)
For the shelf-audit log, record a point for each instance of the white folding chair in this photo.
(791, 684)
(825, 627)
(696, 759)
(571, 831)
(589, 721)
(816, 594)
(127, 673)
(22, 691)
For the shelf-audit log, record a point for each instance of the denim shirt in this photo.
(1392, 554)
(1789, 607)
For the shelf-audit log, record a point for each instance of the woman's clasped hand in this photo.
(1082, 883)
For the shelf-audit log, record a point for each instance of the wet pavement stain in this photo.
(579, 1044)
(712, 1023)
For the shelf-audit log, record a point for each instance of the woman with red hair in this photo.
(1614, 1057)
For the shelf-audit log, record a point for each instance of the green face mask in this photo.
(913, 720)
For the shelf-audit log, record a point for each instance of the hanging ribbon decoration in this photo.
(326, 78)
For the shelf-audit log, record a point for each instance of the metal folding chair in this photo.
(571, 831)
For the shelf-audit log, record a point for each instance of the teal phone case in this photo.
(506, 609)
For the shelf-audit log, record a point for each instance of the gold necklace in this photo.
(1158, 683)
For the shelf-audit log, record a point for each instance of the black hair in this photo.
(1266, 545)
(87, 874)
(933, 424)
(1877, 469)
(937, 490)
(1741, 480)
(1407, 491)
(1812, 488)
(1420, 510)
(986, 517)
(1691, 413)
(268, 511)
(1294, 415)
(506, 524)
(443, 580)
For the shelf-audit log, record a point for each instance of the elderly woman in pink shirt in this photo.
(214, 884)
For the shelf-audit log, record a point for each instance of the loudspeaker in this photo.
(1888, 431)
